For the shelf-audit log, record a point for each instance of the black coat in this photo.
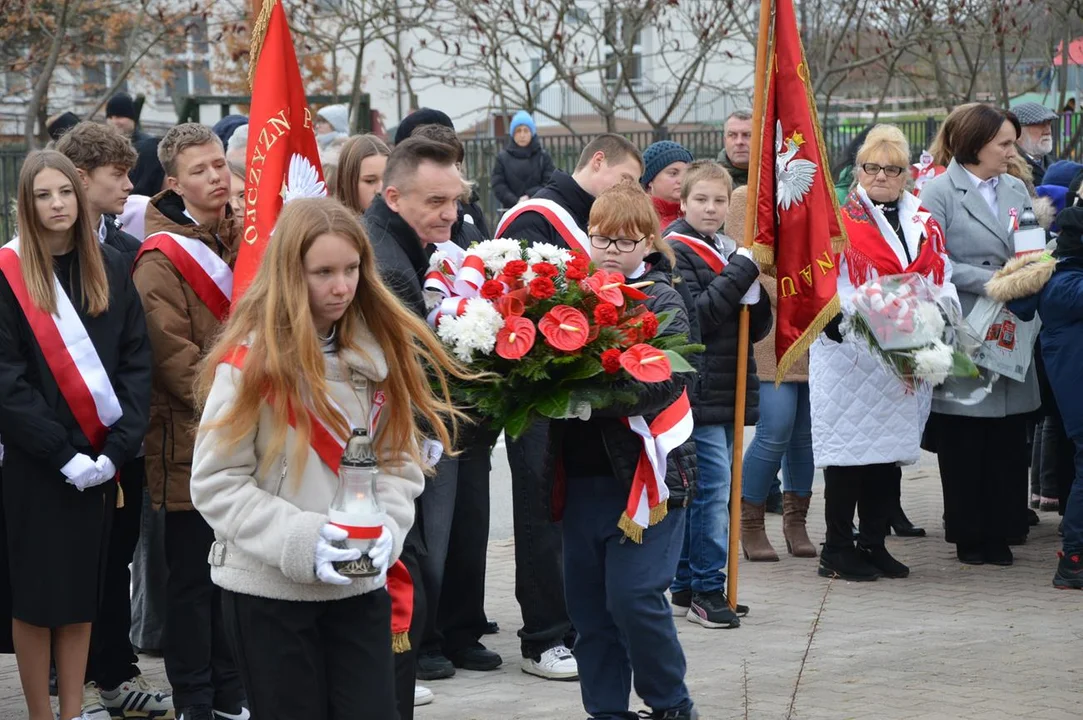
(572, 442)
(400, 257)
(35, 420)
(566, 192)
(521, 171)
(477, 214)
(122, 242)
(717, 299)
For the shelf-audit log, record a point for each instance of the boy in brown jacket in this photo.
(184, 276)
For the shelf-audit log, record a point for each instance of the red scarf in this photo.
(869, 250)
(667, 210)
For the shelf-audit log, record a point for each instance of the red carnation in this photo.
(542, 288)
(492, 289)
(544, 269)
(606, 314)
(564, 327)
(646, 364)
(515, 268)
(649, 325)
(574, 272)
(611, 361)
(580, 259)
(515, 339)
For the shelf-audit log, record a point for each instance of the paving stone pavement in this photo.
(951, 642)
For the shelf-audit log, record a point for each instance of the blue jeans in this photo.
(783, 437)
(615, 591)
(1073, 513)
(702, 567)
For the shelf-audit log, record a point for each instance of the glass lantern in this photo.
(354, 507)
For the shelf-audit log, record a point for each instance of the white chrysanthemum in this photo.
(436, 258)
(497, 253)
(934, 363)
(473, 331)
(546, 252)
(930, 319)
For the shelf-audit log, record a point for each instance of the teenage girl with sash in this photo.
(623, 518)
(75, 370)
(316, 348)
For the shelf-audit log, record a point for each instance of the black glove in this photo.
(832, 331)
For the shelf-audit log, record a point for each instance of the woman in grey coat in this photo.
(982, 448)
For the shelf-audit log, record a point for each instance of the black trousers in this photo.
(198, 659)
(406, 663)
(314, 660)
(539, 572)
(112, 660)
(983, 472)
(870, 489)
(461, 618)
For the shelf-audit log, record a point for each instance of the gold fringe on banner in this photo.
(258, 33)
(400, 643)
(634, 532)
(804, 341)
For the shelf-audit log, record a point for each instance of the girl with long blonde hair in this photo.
(316, 344)
(74, 397)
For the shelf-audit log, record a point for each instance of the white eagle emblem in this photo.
(794, 176)
(302, 180)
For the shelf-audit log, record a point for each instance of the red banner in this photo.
(798, 228)
(283, 160)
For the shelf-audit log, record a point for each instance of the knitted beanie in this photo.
(424, 116)
(660, 154)
(120, 105)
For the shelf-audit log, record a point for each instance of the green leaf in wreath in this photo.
(585, 367)
(962, 365)
(518, 421)
(555, 404)
(678, 363)
(665, 318)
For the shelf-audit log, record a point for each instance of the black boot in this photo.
(847, 563)
(879, 557)
(901, 525)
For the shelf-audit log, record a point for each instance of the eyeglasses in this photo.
(889, 170)
(624, 245)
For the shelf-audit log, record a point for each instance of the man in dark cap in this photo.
(1036, 141)
(424, 116)
(120, 113)
(60, 124)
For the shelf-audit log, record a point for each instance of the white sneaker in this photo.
(422, 695)
(242, 715)
(138, 698)
(92, 703)
(556, 663)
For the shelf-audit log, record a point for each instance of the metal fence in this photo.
(11, 161)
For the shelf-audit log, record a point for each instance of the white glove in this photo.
(380, 552)
(753, 295)
(326, 553)
(82, 472)
(747, 253)
(431, 452)
(106, 467)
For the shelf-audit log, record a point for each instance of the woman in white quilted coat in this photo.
(865, 421)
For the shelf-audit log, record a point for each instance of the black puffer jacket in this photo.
(120, 241)
(577, 447)
(400, 258)
(718, 305)
(564, 191)
(521, 171)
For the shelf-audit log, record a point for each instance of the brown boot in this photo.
(794, 512)
(753, 538)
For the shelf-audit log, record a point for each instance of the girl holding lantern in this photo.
(315, 351)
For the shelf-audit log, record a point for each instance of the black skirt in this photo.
(56, 542)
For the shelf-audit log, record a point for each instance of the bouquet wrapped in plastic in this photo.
(915, 334)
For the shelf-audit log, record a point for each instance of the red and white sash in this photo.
(208, 275)
(557, 215)
(707, 252)
(647, 499)
(68, 352)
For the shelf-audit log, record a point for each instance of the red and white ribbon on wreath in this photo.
(448, 306)
(441, 279)
(647, 499)
(470, 278)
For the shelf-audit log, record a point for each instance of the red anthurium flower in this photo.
(492, 289)
(633, 293)
(607, 286)
(565, 328)
(542, 288)
(511, 304)
(544, 269)
(611, 360)
(515, 339)
(646, 364)
(515, 268)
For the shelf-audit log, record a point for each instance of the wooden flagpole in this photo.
(763, 65)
